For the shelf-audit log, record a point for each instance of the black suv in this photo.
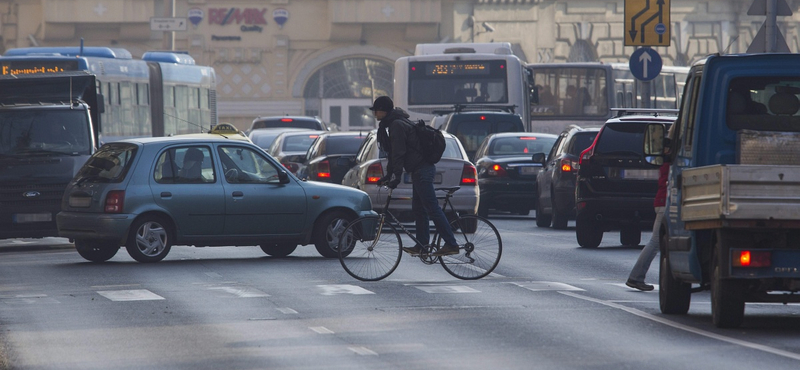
(472, 127)
(556, 180)
(305, 122)
(616, 185)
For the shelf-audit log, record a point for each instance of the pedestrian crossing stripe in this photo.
(541, 286)
(241, 292)
(335, 289)
(446, 289)
(130, 295)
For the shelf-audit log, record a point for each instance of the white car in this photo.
(452, 170)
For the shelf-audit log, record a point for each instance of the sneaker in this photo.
(641, 285)
(446, 250)
(414, 251)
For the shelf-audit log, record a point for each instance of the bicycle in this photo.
(370, 247)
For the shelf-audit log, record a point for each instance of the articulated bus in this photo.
(164, 93)
(564, 94)
(440, 77)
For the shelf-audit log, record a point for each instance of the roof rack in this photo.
(458, 108)
(645, 111)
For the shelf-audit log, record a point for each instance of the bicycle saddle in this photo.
(450, 190)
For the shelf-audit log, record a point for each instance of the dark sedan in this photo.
(331, 156)
(507, 172)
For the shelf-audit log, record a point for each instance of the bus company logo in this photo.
(249, 16)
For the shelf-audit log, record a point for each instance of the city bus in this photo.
(441, 78)
(164, 93)
(564, 94)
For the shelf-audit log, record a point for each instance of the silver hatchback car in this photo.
(452, 170)
(204, 190)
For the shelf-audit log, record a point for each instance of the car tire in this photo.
(95, 250)
(278, 250)
(327, 232)
(560, 220)
(588, 232)
(524, 212)
(150, 239)
(630, 236)
(542, 219)
(674, 296)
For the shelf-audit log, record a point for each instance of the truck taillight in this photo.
(115, 201)
(324, 169)
(374, 173)
(468, 175)
(751, 258)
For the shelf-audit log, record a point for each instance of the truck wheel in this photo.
(542, 219)
(559, 219)
(727, 305)
(674, 296)
(96, 251)
(588, 232)
(630, 235)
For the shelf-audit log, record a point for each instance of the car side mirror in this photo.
(539, 158)
(283, 177)
(653, 145)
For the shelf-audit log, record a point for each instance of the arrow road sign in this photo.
(647, 22)
(645, 64)
(168, 24)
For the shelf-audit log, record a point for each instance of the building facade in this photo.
(331, 57)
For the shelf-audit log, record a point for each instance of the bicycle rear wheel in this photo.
(480, 248)
(369, 249)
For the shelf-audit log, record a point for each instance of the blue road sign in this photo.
(645, 64)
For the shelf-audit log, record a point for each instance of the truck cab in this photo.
(733, 205)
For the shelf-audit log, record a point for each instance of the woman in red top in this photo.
(637, 275)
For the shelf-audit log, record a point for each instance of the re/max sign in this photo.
(223, 16)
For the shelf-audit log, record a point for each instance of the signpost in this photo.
(168, 24)
(647, 23)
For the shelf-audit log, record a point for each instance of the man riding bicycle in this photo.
(397, 137)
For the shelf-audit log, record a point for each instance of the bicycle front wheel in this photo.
(370, 249)
(480, 248)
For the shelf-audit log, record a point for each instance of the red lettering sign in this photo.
(223, 16)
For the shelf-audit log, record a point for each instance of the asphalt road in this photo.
(549, 305)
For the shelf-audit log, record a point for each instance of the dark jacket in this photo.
(402, 146)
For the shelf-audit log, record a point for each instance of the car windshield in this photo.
(342, 144)
(508, 146)
(287, 122)
(264, 140)
(581, 141)
(621, 138)
(298, 143)
(109, 164)
(471, 133)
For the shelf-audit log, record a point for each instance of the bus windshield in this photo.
(457, 82)
(46, 131)
(569, 92)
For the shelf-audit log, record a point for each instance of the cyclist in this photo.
(397, 138)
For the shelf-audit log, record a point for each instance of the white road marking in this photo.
(446, 289)
(541, 286)
(130, 295)
(343, 289)
(321, 330)
(286, 310)
(241, 292)
(661, 320)
(363, 351)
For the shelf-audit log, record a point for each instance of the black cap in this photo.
(383, 103)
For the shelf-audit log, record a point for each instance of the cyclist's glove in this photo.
(393, 184)
(384, 180)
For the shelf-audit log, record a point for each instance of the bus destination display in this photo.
(37, 67)
(463, 68)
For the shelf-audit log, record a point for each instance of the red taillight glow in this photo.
(287, 120)
(585, 154)
(751, 258)
(115, 201)
(496, 170)
(324, 169)
(413, 68)
(313, 136)
(566, 165)
(527, 138)
(483, 118)
(374, 173)
(469, 176)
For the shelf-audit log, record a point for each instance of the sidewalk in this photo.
(22, 245)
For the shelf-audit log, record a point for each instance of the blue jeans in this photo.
(426, 207)
(649, 251)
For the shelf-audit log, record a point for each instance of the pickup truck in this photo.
(732, 219)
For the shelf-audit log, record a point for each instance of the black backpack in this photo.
(431, 140)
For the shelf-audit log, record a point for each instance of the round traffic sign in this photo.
(661, 28)
(645, 64)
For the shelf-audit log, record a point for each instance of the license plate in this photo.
(528, 170)
(640, 174)
(21, 218)
(436, 179)
(80, 202)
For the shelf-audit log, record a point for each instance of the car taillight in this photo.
(468, 175)
(324, 169)
(374, 173)
(585, 155)
(115, 201)
(496, 170)
(751, 258)
(567, 165)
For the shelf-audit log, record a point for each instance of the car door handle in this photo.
(237, 194)
(166, 194)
